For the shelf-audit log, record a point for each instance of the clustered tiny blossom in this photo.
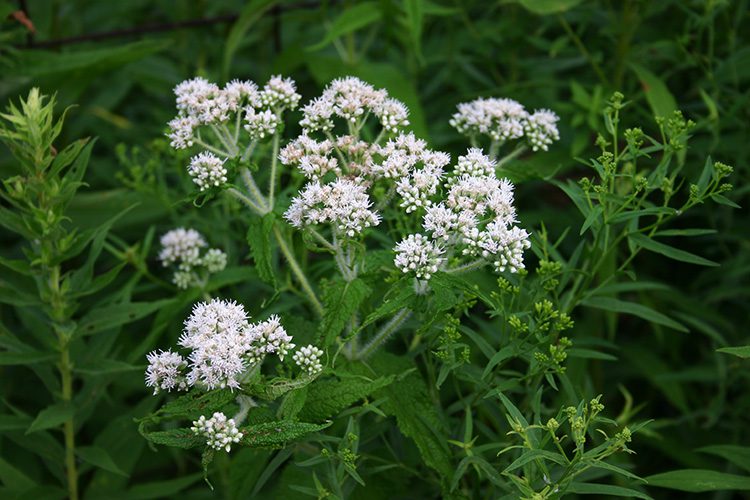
(183, 247)
(207, 170)
(504, 119)
(308, 359)
(164, 371)
(223, 346)
(220, 432)
(418, 254)
(260, 124)
(475, 219)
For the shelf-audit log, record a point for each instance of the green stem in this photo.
(297, 270)
(260, 200)
(274, 161)
(385, 332)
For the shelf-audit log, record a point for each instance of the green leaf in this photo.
(605, 489)
(592, 218)
(402, 297)
(668, 251)
(251, 12)
(111, 316)
(327, 398)
(192, 405)
(659, 97)
(277, 434)
(13, 478)
(162, 489)
(259, 238)
(352, 19)
(106, 367)
(52, 416)
(26, 358)
(699, 480)
(620, 306)
(414, 21)
(723, 200)
(738, 455)
(531, 455)
(341, 300)
(544, 7)
(293, 403)
(100, 458)
(740, 351)
(177, 438)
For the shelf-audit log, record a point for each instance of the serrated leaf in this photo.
(100, 458)
(277, 434)
(326, 398)
(669, 251)
(293, 403)
(699, 480)
(352, 19)
(52, 416)
(192, 405)
(259, 238)
(177, 438)
(341, 300)
(401, 297)
(620, 306)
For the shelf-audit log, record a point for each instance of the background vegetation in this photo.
(119, 62)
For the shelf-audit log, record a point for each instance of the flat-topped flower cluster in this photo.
(503, 119)
(223, 346)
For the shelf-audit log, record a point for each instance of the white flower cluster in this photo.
(207, 170)
(308, 359)
(476, 219)
(418, 254)
(223, 346)
(164, 371)
(353, 100)
(220, 432)
(202, 103)
(505, 119)
(342, 170)
(183, 247)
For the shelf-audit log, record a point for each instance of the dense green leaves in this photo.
(699, 480)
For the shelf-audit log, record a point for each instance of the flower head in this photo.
(181, 245)
(219, 431)
(308, 359)
(541, 129)
(501, 119)
(207, 170)
(164, 371)
(418, 254)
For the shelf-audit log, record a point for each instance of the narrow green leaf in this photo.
(251, 12)
(723, 200)
(100, 458)
(620, 306)
(699, 480)
(52, 416)
(26, 358)
(531, 455)
(740, 351)
(668, 251)
(111, 316)
(352, 19)
(162, 489)
(605, 489)
(659, 97)
(738, 455)
(545, 7)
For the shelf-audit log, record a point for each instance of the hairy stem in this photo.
(297, 270)
(386, 331)
(274, 161)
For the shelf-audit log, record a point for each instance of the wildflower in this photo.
(261, 123)
(540, 129)
(417, 253)
(270, 337)
(207, 170)
(214, 260)
(475, 164)
(181, 245)
(279, 93)
(181, 131)
(219, 431)
(501, 119)
(164, 371)
(308, 359)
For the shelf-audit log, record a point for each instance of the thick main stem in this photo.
(274, 161)
(68, 427)
(297, 270)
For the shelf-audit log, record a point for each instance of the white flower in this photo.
(279, 92)
(271, 338)
(219, 431)
(308, 359)
(219, 335)
(181, 245)
(504, 246)
(181, 131)
(345, 203)
(164, 371)
(418, 254)
(316, 115)
(393, 114)
(214, 260)
(203, 101)
(238, 92)
(441, 221)
(475, 164)
(207, 170)
(184, 279)
(261, 123)
(501, 119)
(541, 129)
(417, 189)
